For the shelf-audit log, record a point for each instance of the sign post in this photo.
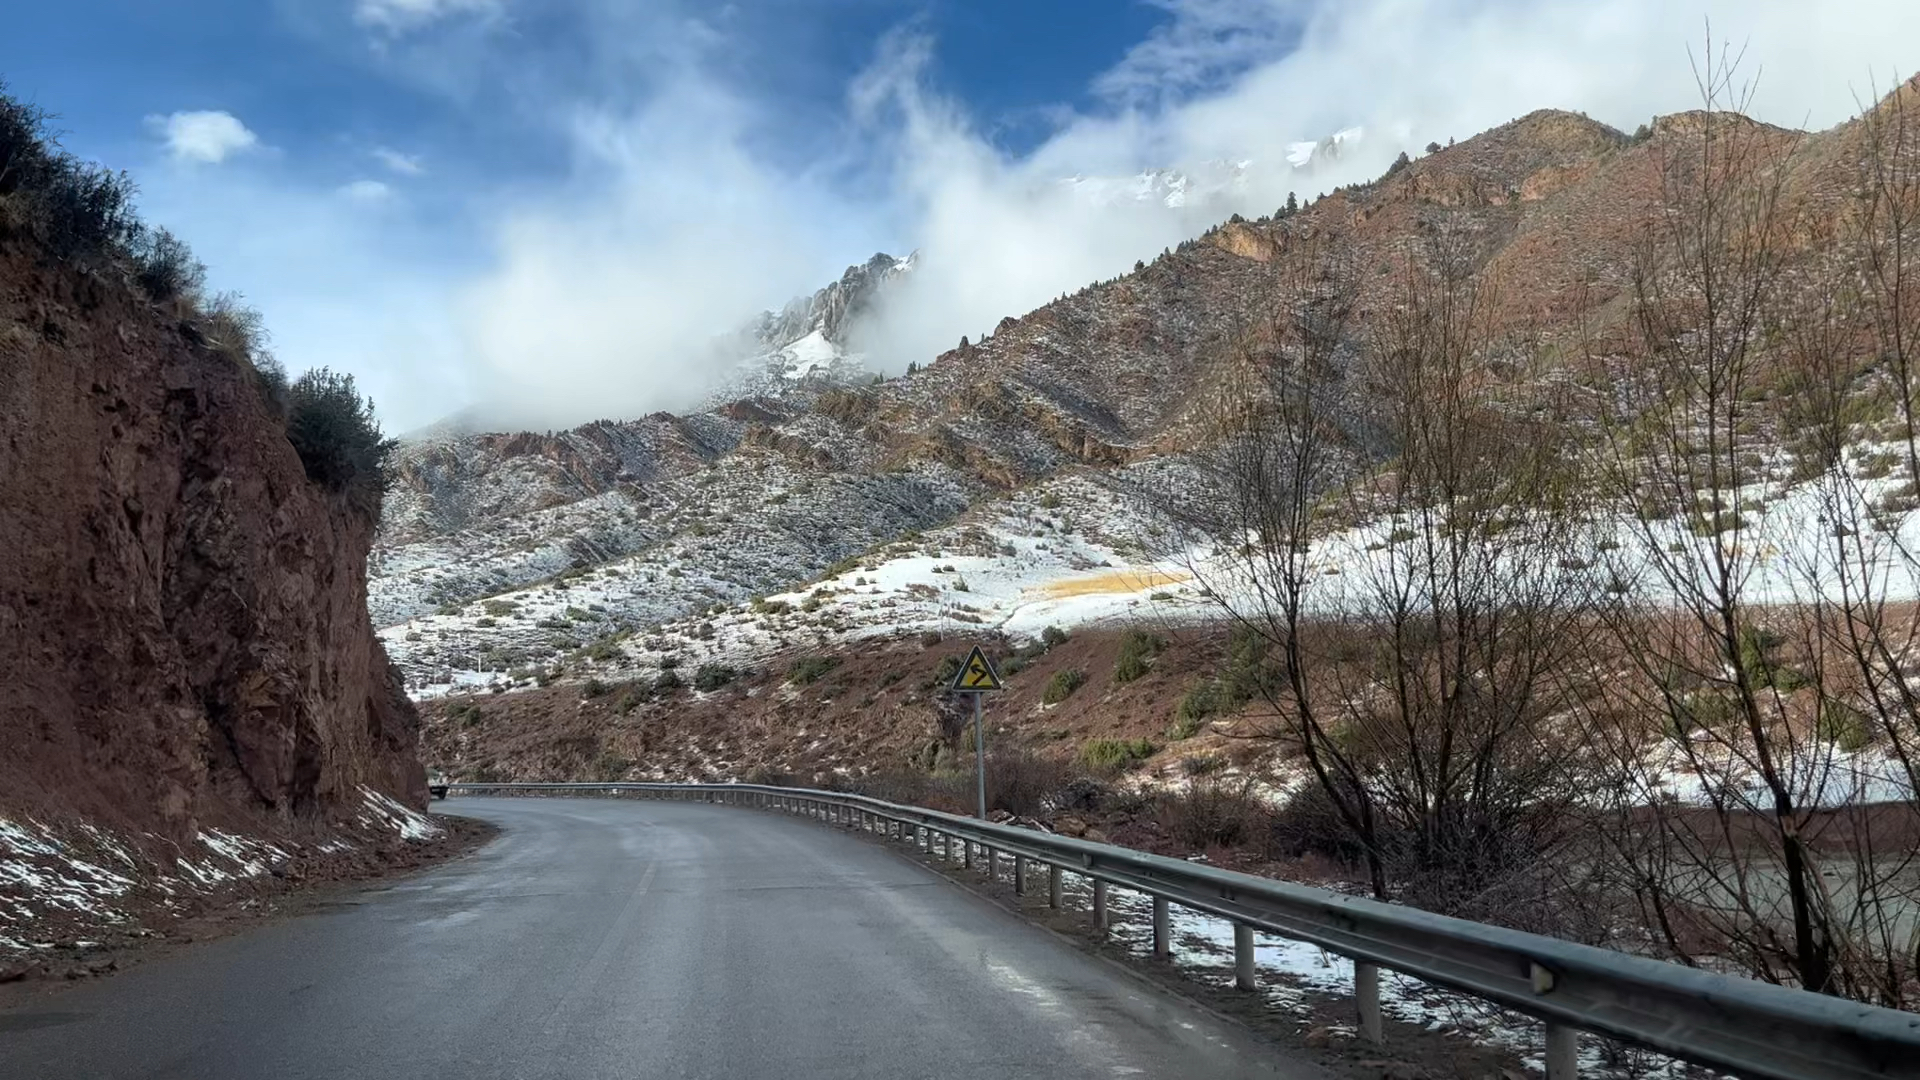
(978, 678)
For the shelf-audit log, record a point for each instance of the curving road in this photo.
(608, 938)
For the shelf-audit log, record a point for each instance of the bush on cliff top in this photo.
(72, 207)
(339, 440)
(75, 209)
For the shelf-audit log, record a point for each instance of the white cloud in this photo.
(400, 16)
(1241, 80)
(607, 297)
(404, 164)
(208, 136)
(600, 294)
(1207, 42)
(367, 191)
(341, 288)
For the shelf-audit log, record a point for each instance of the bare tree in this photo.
(1720, 822)
(1257, 495)
(1403, 573)
(1471, 598)
(1849, 370)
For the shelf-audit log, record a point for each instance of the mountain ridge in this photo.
(1127, 370)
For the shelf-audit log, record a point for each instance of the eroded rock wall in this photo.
(184, 637)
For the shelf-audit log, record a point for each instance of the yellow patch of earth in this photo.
(1113, 581)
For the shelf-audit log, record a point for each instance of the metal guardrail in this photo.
(1723, 1022)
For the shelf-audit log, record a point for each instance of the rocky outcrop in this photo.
(184, 637)
(834, 308)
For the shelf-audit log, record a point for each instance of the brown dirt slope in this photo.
(183, 624)
(877, 709)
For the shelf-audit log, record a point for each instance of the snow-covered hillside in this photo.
(1068, 552)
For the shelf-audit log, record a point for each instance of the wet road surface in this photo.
(636, 939)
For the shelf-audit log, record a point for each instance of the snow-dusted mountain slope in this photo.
(1066, 552)
(807, 339)
(765, 492)
(1075, 382)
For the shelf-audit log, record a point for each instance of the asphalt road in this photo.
(606, 938)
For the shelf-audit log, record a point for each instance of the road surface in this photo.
(631, 939)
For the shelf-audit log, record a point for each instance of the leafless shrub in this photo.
(1216, 813)
(1024, 783)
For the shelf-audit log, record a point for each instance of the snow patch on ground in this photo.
(55, 881)
(1293, 974)
(754, 530)
(39, 871)
(807, 355)
(382, 811)
(232, 858)
(1064, 553)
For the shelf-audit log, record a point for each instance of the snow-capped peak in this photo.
(1303, 155)
(1172, 188)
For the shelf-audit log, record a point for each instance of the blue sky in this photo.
(555, 203)
(314, 80)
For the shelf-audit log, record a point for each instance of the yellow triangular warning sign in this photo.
(977, 673)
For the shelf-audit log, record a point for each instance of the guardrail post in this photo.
(1162, 940)
(1243, 957)
(1100, 907)
(1366, 994)
(991, 863)
(1019, 875)
(1563, 1052)
(966, 858)
(1053, 886)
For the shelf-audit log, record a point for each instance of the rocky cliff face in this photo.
(183, 624)
(833, 309)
